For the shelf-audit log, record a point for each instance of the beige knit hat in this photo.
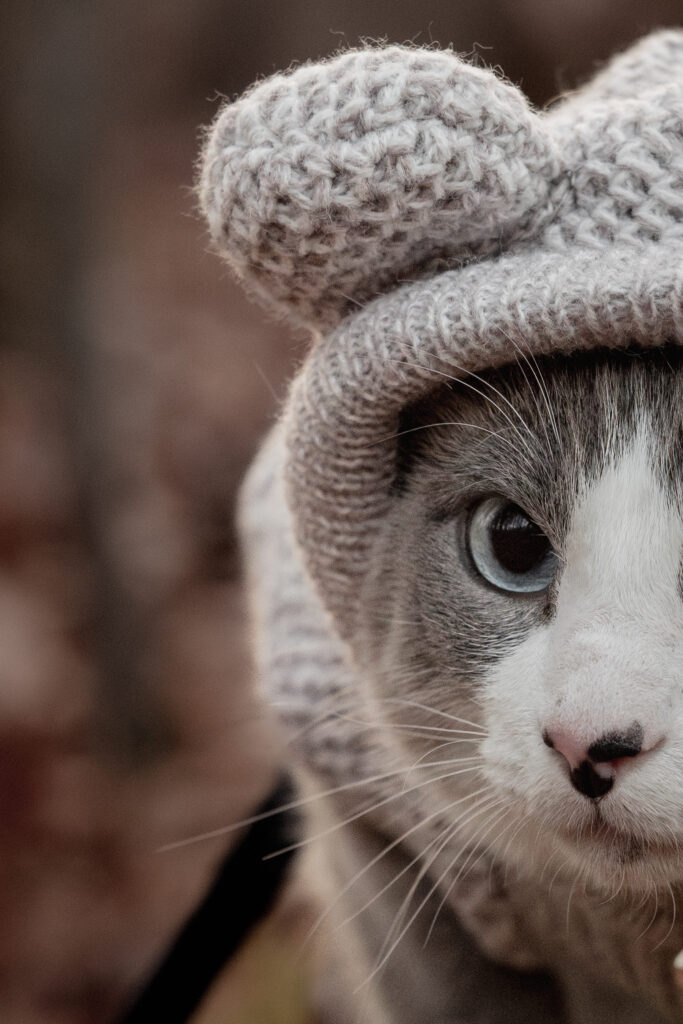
(420, 217)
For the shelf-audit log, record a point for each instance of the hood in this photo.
(420, 218)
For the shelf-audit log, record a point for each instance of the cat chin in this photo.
(612, 860)
(604, 859)
(630, 862)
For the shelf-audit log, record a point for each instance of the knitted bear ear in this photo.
(652, 62)
(328, 185)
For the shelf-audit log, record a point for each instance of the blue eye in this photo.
(508, 549)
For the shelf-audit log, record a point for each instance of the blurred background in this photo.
(135, 382)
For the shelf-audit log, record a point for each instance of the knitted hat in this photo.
(419, 216)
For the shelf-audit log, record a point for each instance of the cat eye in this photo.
(508, 549)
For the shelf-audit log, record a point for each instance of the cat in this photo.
(527, 587)
(521, 650)
(463, 538)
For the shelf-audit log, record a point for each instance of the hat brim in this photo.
(355, 383)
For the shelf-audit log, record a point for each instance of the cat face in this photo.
(529, 581)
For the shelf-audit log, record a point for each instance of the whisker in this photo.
(541, 387)
(291, 806)
(447, 760)
(455, 760)
(443, 423)
(414, 915)
(440, 746)
(426, 707)
(635, 907)
(466, 383)
(464, 870)
(335, 699)
(532, 363)
(673, 919)
(404, 729)
(414, 727)
(385, 850)
(484, 804)
(366, 810)
(615, 893)
(654, 915)
(569, 900)
(522, 824)
(552, 880)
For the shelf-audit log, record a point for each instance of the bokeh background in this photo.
(135, 381)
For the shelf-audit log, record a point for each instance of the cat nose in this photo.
(614, 745)
(582, 758)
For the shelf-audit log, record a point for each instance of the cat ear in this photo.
(328, 185)
(652, 62)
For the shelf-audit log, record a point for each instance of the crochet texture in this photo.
(418, 211)
(420, 217)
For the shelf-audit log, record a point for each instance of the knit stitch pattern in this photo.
(326, 186)
(330, 184)
(421, 219)
(333, 182)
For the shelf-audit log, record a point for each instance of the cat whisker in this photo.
(386, 955)
(481, 806)
(471, 375)
(426, 707)
(325, 716)
(569, 900)
(464, 868)
(367, 810)
(554, 878)
(440, 746)
(414, 727)
(374, 727)
(673, 919)
(444, 423)
(532, 363)
(522, 824)
(465, 382)
(635, 907)
(451, 760)
(387, 849)
(292, 805)
(652, 919)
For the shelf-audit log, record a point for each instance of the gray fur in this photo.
(426, 223)
(432, 630)
(490, 433)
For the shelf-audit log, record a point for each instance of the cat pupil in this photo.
(517, 543)
(508, 549)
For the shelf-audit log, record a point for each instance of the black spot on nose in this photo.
(614, 745)
(587, 781)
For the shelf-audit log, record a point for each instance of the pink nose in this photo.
(609, 747)
(573, 749)
(582, 756)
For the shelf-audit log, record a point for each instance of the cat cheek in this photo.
(513, 695)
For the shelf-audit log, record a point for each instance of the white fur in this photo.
(612, 655)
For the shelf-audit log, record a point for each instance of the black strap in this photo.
(243, 891)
